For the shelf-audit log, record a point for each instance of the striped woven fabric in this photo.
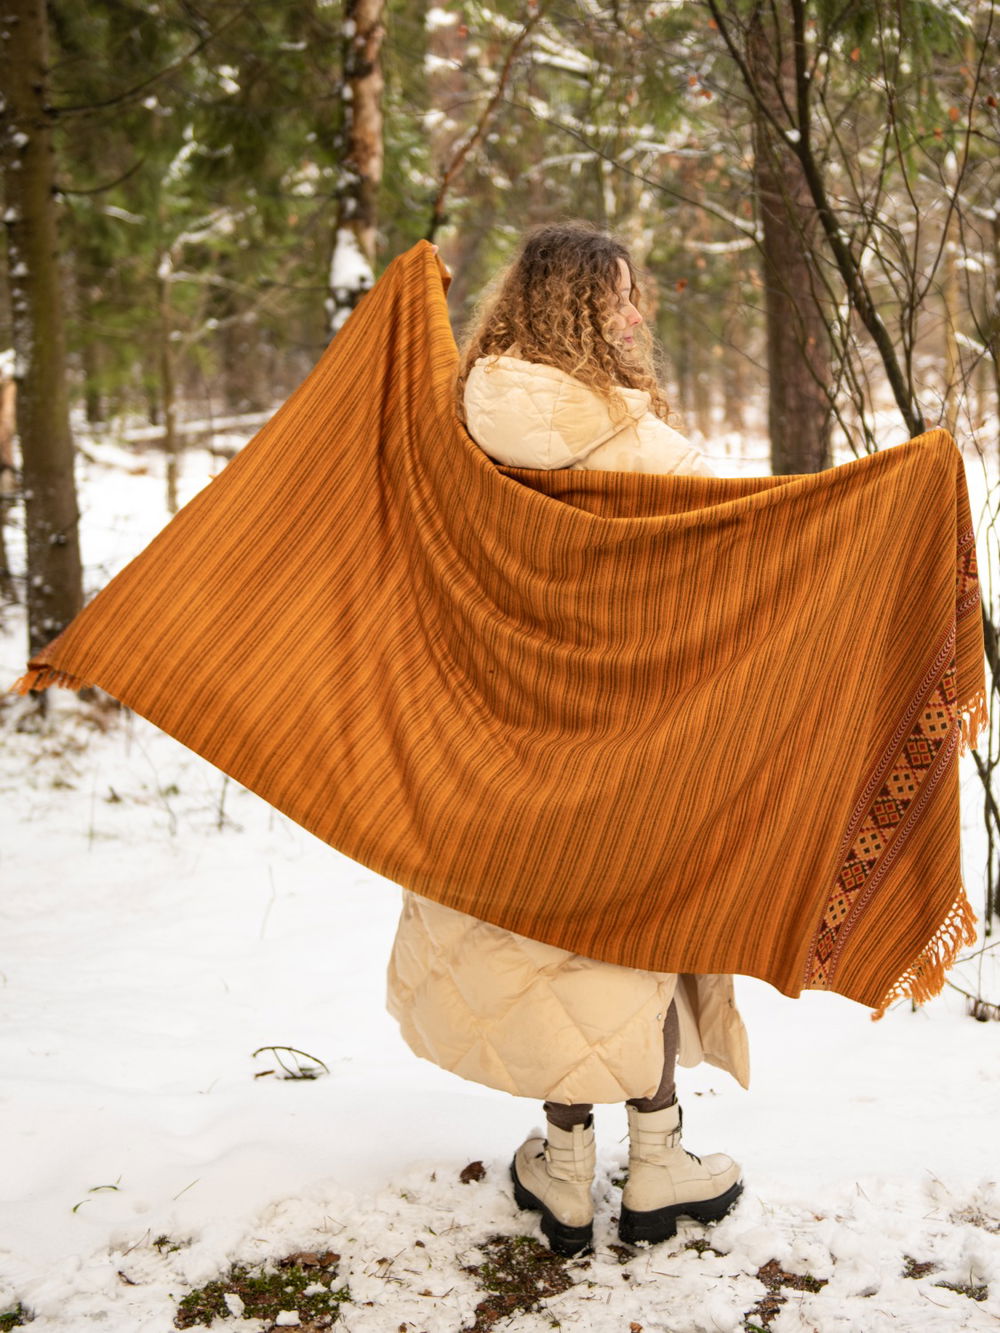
(687, 724)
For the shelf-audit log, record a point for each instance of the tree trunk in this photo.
(51, 517)
(798, 352)
(950, 293)
(245, 382)
(703, 370)
(168, 392)
(8, 481)
(736, 385)
(352, 264)
(682, 356)
(90, 363)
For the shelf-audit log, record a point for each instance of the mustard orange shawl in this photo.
(685, 724)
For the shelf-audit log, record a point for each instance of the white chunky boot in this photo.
(665, 1182)
(553, 1176)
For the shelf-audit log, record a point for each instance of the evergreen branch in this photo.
(66, 190)
(963, 166)
(130, 94)
(576, 132)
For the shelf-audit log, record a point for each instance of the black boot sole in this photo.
(563, 1239)
(661, 1223)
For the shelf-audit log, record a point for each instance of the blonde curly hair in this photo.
(554, 304)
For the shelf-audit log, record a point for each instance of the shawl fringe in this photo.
(974, 719)
(925, 977)
(40, 678)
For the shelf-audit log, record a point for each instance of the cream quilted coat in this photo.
(495, 1007)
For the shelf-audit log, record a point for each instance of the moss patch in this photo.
(977, 1218)
(303, 1282)
(14, 1318)
(917, 1268)
(518, 1273)
(167, 1245)
(774, 1278)
(702, 1247)
(976, 1291)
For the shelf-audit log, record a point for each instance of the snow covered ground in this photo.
(158, 925)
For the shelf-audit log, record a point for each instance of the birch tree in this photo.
(352, 261)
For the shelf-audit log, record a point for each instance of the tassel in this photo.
(925, 976)
(974, 719)
(37, 679)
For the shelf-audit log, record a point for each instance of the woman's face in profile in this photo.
(626, 316)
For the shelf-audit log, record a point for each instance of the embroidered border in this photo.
(911, 775)
(940, 661)
(967, 594)
(912, 815)
(902, 783)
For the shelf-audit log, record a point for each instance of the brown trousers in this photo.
(565, 1117)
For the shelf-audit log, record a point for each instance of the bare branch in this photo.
(479, 129)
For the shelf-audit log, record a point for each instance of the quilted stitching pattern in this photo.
(523, 1016)
(532, 415)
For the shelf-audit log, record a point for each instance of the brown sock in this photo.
(665, 1094)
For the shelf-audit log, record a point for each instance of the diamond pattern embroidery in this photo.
(885, 811)
(967, 575)
(888, 810)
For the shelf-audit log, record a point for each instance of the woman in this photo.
(558, 373)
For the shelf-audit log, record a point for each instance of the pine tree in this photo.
(55, 586)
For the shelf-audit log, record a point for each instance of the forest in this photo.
(196, 195)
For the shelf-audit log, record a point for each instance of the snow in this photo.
(548, 50)
(350, 272)
(226, 74)
(217, 222)
(435, 64)
(160, 924)
(122, 214)
(303, 179)
(436, 18)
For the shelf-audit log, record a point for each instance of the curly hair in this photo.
(554, 304)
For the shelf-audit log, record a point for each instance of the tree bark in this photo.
(736, 384)
(682, 357)
(951, 296)
(89, 351)
(55, 584)
(991, 321)
(8, 480)
(245, 381)
(168, 391)
(352, 263)
(798, 352)
(699, 405)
